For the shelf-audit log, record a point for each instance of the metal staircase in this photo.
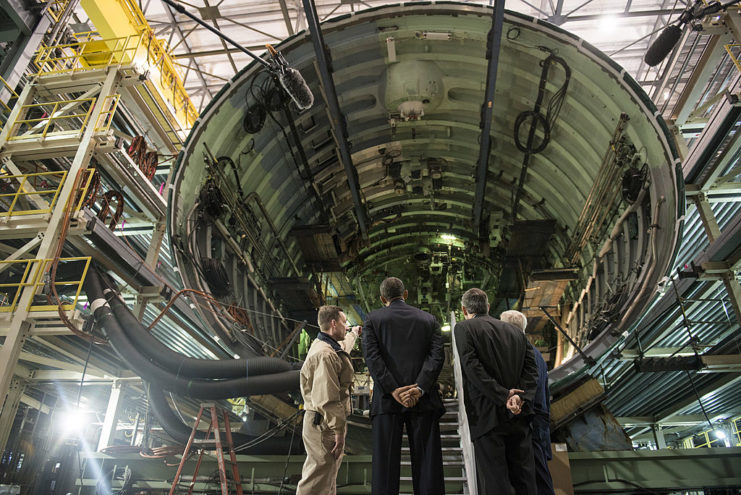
(455, 475)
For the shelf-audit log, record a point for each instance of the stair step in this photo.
(446, 463)
(449, 450)
(448, 479)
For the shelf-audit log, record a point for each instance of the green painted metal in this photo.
(666, 469)
(591, 472)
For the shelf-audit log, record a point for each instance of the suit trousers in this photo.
(543, 479)
(423, 431)
(319, 474)
(504, 459)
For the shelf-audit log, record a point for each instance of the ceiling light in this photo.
(449, 237)
(73, 421)
(431, 35)
(445, 328)
(720, 434)
(608, 23)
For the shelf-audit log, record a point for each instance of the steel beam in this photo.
(655, 470)
(20, 324)
(725, 381)
(9, 408)
(337, 118)
(482, 166)
(722, 121)
(111, 416)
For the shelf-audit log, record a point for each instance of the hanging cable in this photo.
(537, 119)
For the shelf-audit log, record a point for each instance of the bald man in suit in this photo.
(403, 350)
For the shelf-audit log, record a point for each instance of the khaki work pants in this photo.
(319, 474)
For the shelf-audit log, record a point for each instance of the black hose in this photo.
(202, 389)
(181, 365)
(180, 432)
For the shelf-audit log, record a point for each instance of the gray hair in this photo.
(475, 301)
(515, 318)
(392, 288)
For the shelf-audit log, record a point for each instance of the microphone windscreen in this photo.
(663, 45)
(296, 87)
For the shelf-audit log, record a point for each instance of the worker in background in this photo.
(499, 379)
(403, 349)
(541, 422)
(326, 379)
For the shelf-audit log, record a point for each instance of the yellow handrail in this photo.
(44, 125)
(729, 48)
(32, 274)
(24, 190)
(88, 53)
(56, 8)
(50, 183)
(93, 53)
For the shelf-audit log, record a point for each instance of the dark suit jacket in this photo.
(403, 345)
(495, 357)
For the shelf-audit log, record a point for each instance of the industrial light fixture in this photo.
(72, 422)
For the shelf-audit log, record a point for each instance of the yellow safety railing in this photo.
(6, 106)
(82, 193)
(17, 190)
(730, 49)
(105, 118)
(33, 273)
(41, 188)
(61, 118)
(89, 52)
(55, 9)
(158, 53)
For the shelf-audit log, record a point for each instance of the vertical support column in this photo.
(153, 253)
(733, 288)
(707, 216)
(111, 416)
(10, 407)
(658, 436)
(20, 325)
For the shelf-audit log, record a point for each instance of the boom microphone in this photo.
(290, 80)
(295, 85)
(663, 45)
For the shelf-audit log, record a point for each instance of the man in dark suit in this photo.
(499, 379)
(541, 425)
(403, 350)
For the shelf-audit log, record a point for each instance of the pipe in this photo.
(182, 365)
(336, 117)
(202, 389)
(180, 432)
(482, 166)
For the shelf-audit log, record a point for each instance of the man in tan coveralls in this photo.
(326, 378)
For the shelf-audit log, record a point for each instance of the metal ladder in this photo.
(216, 441)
